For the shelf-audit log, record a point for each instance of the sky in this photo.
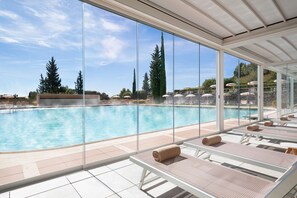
(102, 43)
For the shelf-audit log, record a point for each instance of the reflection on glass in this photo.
(110, 73)
(40, 105)
(269, 85)
(231, 92)
(207, 90)
(155, 87)
(186, 82)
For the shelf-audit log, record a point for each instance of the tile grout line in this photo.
(104, 184)
(74, 187)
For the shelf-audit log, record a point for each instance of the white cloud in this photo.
(47, 24)
(8, 40)
(8, 14)
(112, 47)
(113, 27)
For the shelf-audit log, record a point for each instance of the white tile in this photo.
(133, 192)
(90, 188)
(78, 176)
(113, 196)
(114, 181)
(158, 187)
(64, 191)
(39, 187)
(119, 164)
(132, 173)
(4, 195)
(99, 170)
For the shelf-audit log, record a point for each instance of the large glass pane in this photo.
(186, 81)
(285, 92)
(155, 87)
(269, 84)
(110, 69)
(207, 90)
(41, 110)
(231, 92)
(248, 91)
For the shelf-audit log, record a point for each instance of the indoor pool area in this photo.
(148, 98)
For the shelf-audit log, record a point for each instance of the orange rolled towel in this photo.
(284, 118)
(268, 123)
(291, 116)
(253, 127)
(211, 140)
(166, 152)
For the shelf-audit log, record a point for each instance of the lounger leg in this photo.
(143, 175)
(242, 138)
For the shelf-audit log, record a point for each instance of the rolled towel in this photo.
(211, 140)
(166, 152)
(291, 116)
(284, 118)
(253, 127)
(268, 123)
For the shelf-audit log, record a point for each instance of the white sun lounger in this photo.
(272, 133)
(206, 179)
(252, 155)
(280, 128)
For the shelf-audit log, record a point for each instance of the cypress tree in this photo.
(79, 83)
(53, 81)
(155, 74)
(145, 84)
(41, 86)
(162, 69)
(134, 85)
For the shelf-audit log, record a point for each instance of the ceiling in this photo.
(261, 31)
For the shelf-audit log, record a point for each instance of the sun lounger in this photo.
(252, 155)
(206, 179)
(280, 128)
(272, 133)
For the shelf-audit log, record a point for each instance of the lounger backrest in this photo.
(285, 183)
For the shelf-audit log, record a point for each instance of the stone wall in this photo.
(66, 100)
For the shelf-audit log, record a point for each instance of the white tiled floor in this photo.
(115, 180)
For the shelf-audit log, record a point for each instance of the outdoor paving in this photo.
(121, 179)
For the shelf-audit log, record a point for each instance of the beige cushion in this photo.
(253, 127)
(211, 140)
(166, 152)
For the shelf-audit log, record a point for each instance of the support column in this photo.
(260, 92)
(220, 90)
(279, 94)
(292, 94)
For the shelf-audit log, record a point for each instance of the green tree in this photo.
(42, 85)
(162, 68)
(79, 83)
(52, 81)
(155, 74)
(125, 92)
(145, 84)
(134, 85)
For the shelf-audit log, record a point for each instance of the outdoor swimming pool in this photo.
(59, 127)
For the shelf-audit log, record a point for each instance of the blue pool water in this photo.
(58, 127)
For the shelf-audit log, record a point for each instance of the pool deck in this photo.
(121, 178)
(25, 165)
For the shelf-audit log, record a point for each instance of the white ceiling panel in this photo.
(282, 43)
(181, 9)
(219, 14)
(266, 10)
(243, 13)
(262, 52)
(288, 7)
(272, 48)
